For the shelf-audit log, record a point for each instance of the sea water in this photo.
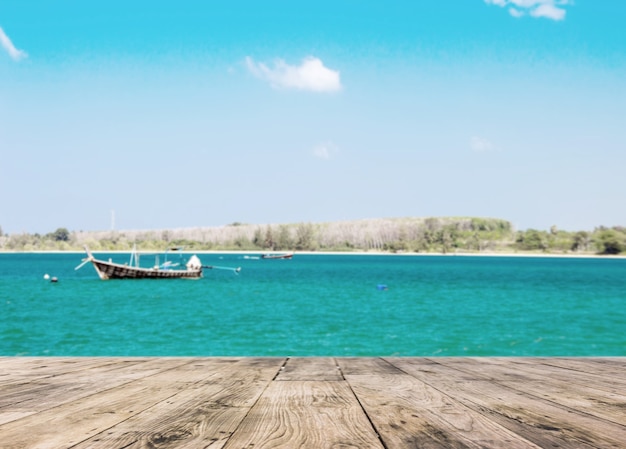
(319, 305)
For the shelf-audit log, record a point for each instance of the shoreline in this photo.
(346, 253)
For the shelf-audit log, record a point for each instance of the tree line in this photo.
(396, 235)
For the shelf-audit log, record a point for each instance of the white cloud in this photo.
(528, 3)
(481, 145)
(324, 150)
(310, 75)
(549, 9)
(13, 52)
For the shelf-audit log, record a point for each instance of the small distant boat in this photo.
(277, 256)
(132, 270)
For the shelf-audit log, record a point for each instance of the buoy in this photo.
(46, 276)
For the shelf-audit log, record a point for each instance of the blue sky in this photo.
(204, 113)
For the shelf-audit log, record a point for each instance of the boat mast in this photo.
(134, 255)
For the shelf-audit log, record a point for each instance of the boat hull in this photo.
(276, 256)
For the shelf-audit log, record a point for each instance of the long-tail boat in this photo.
(132, 269)
(277, 256)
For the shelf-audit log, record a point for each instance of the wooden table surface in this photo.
(325, 402)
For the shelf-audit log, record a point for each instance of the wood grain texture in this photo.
(317, 402)
(540, 420)
(410, 413)
(205, 414)
(309, 414)
(310, 368)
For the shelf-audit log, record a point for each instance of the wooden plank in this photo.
(584, 397)
(307, 414)
(606, 366)
(71, 423)
(87, 373)
(601, 380)
(534, 418)
(201, 416)
(21, 369)
(365, 365)
(603, 371)
(310, 368)
(87, 416)
(409, 413)
(22, 399)
(583, 368)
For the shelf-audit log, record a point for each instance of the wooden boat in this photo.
(132, 270)
(277, 256)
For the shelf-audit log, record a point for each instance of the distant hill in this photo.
(409, 234)
(381, 234)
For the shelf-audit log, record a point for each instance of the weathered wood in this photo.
(19, 369)
(584, 397)
(409, 413)
(313, 402)
(48, 390)
(201, 416)
(310, 368)
(308, 414)
(84, 416)
(602, 373)
(535, 418)
(365, 365)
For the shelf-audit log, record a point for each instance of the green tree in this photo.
(480, 224)
(580, 241)
(610, 241)
(269, 238)
(304, 236)
(532, 240)
(447, 238)
(257, 239)
(242, 242)
(283, 241)
(474, 241)
(61, 235)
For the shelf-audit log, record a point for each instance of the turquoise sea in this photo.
(326, 305)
